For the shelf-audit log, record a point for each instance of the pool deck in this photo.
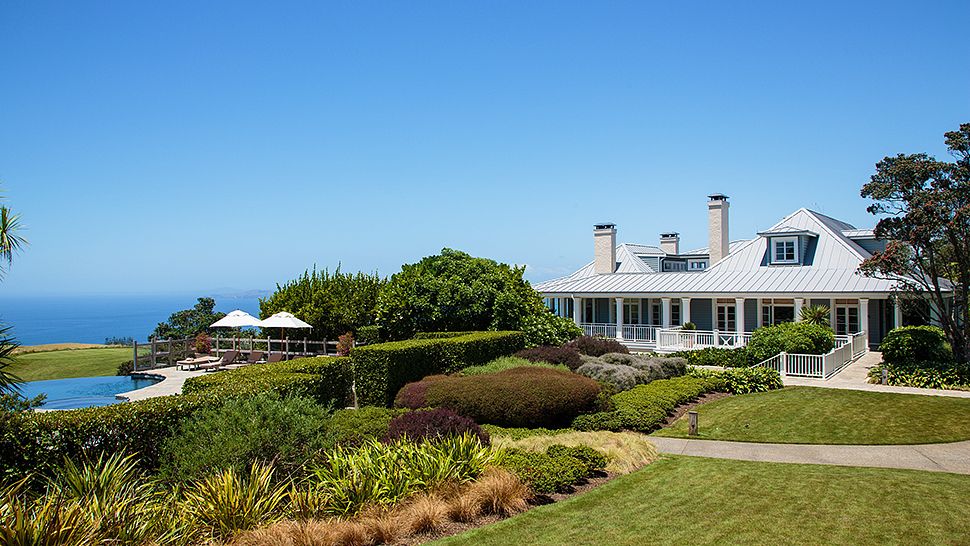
(171, 383)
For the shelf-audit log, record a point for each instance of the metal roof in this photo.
(832, 270)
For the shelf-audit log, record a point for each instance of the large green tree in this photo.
(333, 303)
(454, 291)
(189, 322)
(924, 210)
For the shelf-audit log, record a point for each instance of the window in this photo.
(655, 314)
(590, 315)
(784, 250)
(674, 266)
(698, 265)
(631, 312)
(776, 311)
(675, 312)
(726, 319)
(846, 317)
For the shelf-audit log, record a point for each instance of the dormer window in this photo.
(784, 250)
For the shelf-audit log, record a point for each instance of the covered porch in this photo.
(646, 322)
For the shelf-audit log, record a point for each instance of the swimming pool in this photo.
(83, 392)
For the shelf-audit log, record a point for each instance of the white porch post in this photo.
(577, 310)
(758, 314)
(665, 311)
(619, 318)
(685, 310)
(863, 315)
(897, 313)
(799, 303)
(739, 316)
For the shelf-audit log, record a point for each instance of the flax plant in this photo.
(227, 502)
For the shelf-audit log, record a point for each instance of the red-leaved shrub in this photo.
(519, 397)
(597, 346)
(432, 424)
(565, 355)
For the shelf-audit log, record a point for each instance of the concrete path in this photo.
(172, 381)
(953, 457)
(854, 377)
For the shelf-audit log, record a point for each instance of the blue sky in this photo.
(181, 147)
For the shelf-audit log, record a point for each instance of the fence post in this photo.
(783, 363)
(304, 346)
(692, 423)
(171, 352)
(885, 377)
(134, 360)
(154, 351)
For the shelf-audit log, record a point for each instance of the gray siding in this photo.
(700, 314)
(751, 312)
(871, 245)
(827, 303)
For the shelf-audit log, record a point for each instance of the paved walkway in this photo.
(171, 384)
(954, 457)
(854, 377)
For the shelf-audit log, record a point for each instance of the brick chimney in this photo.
(717, 226)
(670, 243)
(604, 248)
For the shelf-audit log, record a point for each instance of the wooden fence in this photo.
(164, 353)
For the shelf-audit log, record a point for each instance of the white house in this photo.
(643, 294)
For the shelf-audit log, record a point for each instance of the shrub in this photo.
(597, 346)
(231, 501)
(519, 397)
(203, 344)
(415, 395)
(623, 452)
(646, 407)
(507, 363)
(619, 376)
(433, 424)
(917, 347)
(743, 380)
(924, 378)
(552, 471)
(790, 337)
(345, 343)
(369, 335)
(382, 369)
(325, 379)
(519, 433)
(566, 355)
(263, 429)
(440, 335)
(352, 427)
(593, 460)
(545, 328)
(718, 356)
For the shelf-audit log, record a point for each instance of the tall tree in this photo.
(924, 206)
(189, 322)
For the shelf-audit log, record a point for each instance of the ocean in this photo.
(91, 319)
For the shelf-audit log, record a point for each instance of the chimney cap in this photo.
(717, 197)
(604, 225)
(669, 235)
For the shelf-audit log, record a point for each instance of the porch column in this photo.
(739, 315)
(665, 311)
(897, 313)
(685, 310)
(799, 303)
(758, 313)
(619, 318)
(577, 310)
(863, 315)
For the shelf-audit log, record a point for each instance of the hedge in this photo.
(382, 369)
(39, 441)
(440, 335)
(517, 397)
(917, 347)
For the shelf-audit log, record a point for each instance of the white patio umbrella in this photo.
(283, 320)
(235, 319)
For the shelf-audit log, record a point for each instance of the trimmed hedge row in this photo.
(326, 380)
(555, 470)
(39, 442)
(646, 407)
(440, 335)
(382, 369)
(517, 397)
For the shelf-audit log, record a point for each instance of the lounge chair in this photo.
(255, 357)
(274, 357)
(227, 358)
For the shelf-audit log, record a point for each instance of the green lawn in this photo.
(688, 500)
(69, 363)
(810, 415)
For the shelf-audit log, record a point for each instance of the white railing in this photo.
(640, 333)
(678, 339)
(599, 330)
(845, 351)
